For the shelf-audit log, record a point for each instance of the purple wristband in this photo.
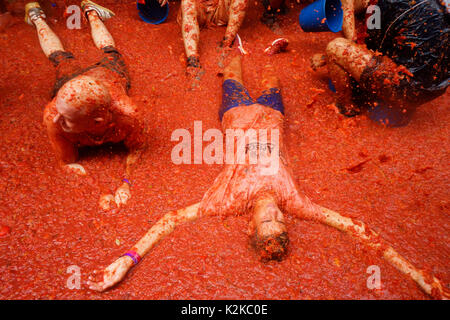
(127, 181)
(134, 256)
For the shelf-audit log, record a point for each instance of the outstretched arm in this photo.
(237, 15)
(114, 273)
(357, 229)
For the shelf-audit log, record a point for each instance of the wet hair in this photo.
(272, 247)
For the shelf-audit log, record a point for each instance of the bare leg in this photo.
(233, 70)
(101, 36)
(237, 15)
(269, 78)
(49, 41)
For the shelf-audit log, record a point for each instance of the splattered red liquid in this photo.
(400, 187)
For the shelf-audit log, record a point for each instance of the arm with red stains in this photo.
(115, 272)
(238, 9)
(129, 120)
(66, 152)
(357, 229)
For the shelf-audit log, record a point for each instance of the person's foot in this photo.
(103, 13)
(33, 11)
(277, 46)
(268, 19)
(226, 42)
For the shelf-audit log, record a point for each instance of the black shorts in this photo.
(68, 68)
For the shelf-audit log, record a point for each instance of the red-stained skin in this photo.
(401, 190)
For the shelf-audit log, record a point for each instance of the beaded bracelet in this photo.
(134, 256)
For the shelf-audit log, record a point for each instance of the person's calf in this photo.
(273, 247)
(5, 21)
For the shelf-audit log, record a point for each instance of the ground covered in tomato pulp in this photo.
(395, 180)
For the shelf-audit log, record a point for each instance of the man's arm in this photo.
(116, 271)
(237, 15)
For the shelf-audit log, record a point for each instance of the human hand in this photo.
(110, 276)
(105, 202)
(122, 195)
